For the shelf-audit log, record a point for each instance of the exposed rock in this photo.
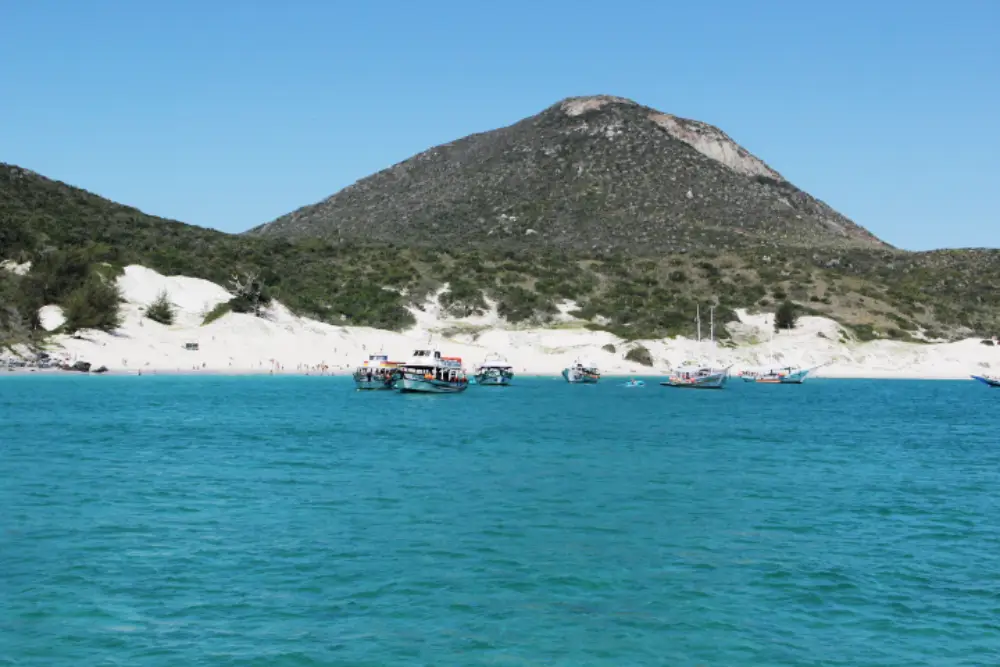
(587, 172)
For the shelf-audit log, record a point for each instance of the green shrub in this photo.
(516, 304)
(463, 299)
(611, 348)
(217, 312)
(161, 310)
(94, 305)
(640, 355)
(786, 316)
(864, 332)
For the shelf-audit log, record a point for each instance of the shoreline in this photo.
(280, 343)
(252, 372)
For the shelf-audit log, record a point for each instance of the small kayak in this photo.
(635, 383)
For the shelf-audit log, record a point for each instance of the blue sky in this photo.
(227, 114)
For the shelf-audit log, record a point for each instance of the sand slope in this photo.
(283, 342)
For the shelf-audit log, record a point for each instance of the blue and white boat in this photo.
(375, 373)
(494, 372)
(428, 372)
(776, 373)
(635, 383)
(988, 380)
(581, 373)
(783, 375)
(697, 377)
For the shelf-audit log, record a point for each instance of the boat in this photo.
(581, 373)
(988, 380)
(494, 372)
(375, 373)
(429, 372)
(635, 383)
(697, 377)
(774, 373)
(783, 375)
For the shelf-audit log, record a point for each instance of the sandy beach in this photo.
(284, 344)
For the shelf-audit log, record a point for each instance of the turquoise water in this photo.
(292, 521)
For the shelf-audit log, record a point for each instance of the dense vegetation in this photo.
(78, 242)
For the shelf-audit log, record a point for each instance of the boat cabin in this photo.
(495, 361)
(428, 358)
(431, 365)
(377, 366)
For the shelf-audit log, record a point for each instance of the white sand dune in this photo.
(283, 342)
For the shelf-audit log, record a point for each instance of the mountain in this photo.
(587, 174)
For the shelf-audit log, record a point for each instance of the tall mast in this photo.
(711, 313)
(698, 319)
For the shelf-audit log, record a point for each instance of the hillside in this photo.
(594, 174)
(72, 238)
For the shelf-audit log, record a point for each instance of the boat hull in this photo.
(421, 386)
(577, 378)
(493, 380)
(798, 377)
(989, 382)
(715, 381)
(374, 384)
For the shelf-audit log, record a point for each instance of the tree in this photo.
(786, 316)
(94, 305)
(161, 310)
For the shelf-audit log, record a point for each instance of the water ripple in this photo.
(290, 521)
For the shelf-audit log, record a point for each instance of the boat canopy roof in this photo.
(432, 359)
(380, 360)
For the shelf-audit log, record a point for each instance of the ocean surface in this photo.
(292, 521)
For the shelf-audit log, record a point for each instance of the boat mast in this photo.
(698, 319)
(711, 315)
(770, 349)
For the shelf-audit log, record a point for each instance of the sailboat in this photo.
(775, 374)
(699, 376)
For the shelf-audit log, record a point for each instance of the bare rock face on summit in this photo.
(587, 174)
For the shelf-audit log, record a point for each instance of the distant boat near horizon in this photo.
(783, 375)
(494, 372)
(428, 372)
(697, 377)
(774, 373)
(376, 373)
(581, 373)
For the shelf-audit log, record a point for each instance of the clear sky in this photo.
(229, 113)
